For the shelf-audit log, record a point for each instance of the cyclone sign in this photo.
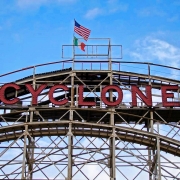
(146, 98)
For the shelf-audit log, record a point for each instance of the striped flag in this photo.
(81, 30)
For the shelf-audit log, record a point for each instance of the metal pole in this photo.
(158, 155)
(24, 153)
(70, 144)
(149, 70)
(151, 121)
(30, 157)
(112, 153)
(77, 96)
(150, 152)
(100, 97)
(73, 53)
(70, 136)
(153, 151)
(158, 159)
(109, 64)
(112, 139)
(34, 86)
(34, 77)
(151, 128)
(72, 91)
(149, 155)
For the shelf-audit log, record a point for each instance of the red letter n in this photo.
(146, 99)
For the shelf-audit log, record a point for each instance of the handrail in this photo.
(91, 61)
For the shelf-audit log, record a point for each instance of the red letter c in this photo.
(2, 93)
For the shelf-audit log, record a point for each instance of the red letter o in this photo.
(112, 87)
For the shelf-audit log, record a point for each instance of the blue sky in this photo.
(33, 31)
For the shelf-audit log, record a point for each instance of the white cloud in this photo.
(16, 37)
(113, 8)
(151, 11)
(122, 8)
(116, 6)
(176, 3)
(173, 18)
(159, 52)
(112, 1)
(156, 49)
(92, 13)
(38, 3)
(27, 3)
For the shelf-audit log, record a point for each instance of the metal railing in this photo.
(145, 68)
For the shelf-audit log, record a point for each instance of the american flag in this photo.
(81, 30)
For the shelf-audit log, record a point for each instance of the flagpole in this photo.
(73, 46)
